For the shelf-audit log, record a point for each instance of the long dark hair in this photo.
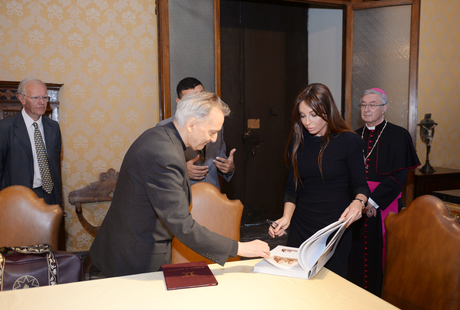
(319, 98)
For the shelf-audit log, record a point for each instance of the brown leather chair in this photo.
(215, 211)
(26, 219)
(422, 262)
(98, 191)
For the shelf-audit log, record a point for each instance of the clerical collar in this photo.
(373, 128)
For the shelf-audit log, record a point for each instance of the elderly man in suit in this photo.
(30, 145)
(152, 197)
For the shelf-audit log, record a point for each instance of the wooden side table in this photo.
(419, 184)
(441, 179)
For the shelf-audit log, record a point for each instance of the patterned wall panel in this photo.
(191, 25)
(105, 54)
(381, 40)
(439, 80)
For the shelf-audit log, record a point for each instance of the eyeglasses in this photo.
(37, 98)
(371, 106)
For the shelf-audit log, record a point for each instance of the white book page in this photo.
(284, 257)
(316, 246)
(306, 261)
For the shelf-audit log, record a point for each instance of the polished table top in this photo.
(238, 288)
(452, 195)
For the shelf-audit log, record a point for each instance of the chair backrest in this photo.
(26, 219)
(216, 212)
(99, 191)
(422, 262)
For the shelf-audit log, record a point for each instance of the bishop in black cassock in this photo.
(389, 154)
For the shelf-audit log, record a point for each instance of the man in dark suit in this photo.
(152, 197)
(208, 164)
(30, 145)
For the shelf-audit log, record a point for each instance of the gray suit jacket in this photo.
(151, 206)
(212, 150)
(16, 162)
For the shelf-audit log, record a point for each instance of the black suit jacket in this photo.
(16, 162)
(150, 206)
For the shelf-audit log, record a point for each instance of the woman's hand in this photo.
(353, 211)
(278, 228)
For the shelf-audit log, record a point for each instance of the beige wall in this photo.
(439, 80)
(105, 53)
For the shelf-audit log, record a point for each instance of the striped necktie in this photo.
(47, 183)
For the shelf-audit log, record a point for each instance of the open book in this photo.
(307, 260)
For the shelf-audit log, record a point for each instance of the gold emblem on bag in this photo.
(25, 282)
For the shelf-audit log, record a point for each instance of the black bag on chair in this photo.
(37, 265)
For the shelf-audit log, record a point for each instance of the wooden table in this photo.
(441, 179)
(238, 288)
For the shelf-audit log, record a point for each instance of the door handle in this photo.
(247, 134)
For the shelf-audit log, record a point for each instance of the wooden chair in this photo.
(216, 212)
(99, 191)
(26, 219)
(422, 262)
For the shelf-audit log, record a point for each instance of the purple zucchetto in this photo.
(379, 90)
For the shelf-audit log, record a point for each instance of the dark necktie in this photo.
(47, 183)
(203, 154)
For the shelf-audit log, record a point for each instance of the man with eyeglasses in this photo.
(389, 154)
(30, 145)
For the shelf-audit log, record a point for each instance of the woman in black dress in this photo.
(326, 179)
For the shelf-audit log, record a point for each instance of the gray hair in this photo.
(22, 85)
(199, 105)
(382, 97)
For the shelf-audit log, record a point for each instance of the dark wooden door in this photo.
(264, 66)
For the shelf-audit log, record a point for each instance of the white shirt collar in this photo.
(28, 120)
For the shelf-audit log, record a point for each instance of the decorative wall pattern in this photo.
(105, 53)
(439, 80)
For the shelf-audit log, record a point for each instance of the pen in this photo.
(274, 225)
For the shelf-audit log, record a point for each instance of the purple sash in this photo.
(393, 207)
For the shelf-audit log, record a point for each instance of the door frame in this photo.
(413, 57)
(347, 5)
(164, 58)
